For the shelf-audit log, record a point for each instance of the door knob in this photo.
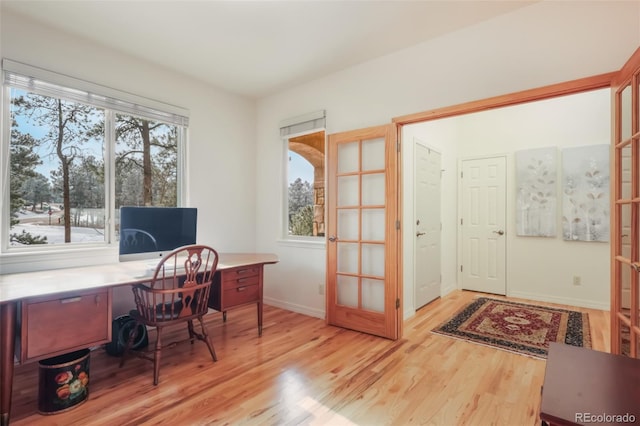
(333, 238)
(500, 232)
(420, 233)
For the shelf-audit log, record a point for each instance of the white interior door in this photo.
(427, 225)
(482, 223)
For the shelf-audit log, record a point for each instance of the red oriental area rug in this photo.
(517, 327)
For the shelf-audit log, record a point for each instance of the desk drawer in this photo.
(241, 295)
(62, 323)
(240, 273)
(236, 286)
(243, 281)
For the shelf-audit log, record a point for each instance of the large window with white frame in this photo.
(75, 152)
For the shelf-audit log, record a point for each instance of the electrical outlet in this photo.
(321, 289)
(577, 280)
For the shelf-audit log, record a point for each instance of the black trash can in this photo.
(63, 382)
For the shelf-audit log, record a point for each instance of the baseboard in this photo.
(411, 312)
(408, 314)
(305, 310)
(604, 306)
(448, 289)
(319, 313)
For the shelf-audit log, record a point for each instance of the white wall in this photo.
(221, 150)
(545, 43)
(537, 268)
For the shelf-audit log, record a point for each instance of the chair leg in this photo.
(156, 356)
(207, 340)
(192, 334)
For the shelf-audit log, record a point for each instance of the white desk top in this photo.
(52, 281)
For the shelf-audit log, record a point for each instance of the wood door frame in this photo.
(600, 81)
(586, 84)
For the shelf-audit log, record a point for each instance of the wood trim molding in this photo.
(560, 89)
(628, 69)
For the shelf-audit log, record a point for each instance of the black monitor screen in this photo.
(152, 232)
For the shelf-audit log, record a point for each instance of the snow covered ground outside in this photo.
(55, 234)
(37, 224)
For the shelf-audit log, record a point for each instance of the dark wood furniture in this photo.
(583, 386)
(177, 293)
(50, 325)
(237, 287)
(19, 291)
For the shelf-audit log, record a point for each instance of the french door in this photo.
(625, 240)
(363, 291)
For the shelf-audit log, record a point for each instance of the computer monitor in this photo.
(152, 232)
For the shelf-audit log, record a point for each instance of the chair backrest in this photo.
(180, 286)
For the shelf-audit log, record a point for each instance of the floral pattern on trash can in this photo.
(63, 384)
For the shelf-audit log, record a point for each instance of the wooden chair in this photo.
(178, 292)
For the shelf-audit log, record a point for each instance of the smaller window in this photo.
(305, 185)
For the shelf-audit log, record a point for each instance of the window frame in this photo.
(116, 102)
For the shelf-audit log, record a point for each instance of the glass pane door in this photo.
(625, 271)
(361, 199)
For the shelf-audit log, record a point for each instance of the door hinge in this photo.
(461, 175)
(398, 146)
(440, 278)
(460, 221)
(397, 303)
(397, 224)
(460, 268)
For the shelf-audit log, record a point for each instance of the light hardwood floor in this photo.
(302, 372)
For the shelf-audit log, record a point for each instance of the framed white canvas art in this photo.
(585, 199)
(536, 200)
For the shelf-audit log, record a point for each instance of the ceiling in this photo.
(257, 48)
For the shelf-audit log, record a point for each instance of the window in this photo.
(146, 162)
(77, 152)
(305, 185)
(304, 146)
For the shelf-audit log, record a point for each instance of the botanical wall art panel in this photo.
(585, 186)
(536, 177)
